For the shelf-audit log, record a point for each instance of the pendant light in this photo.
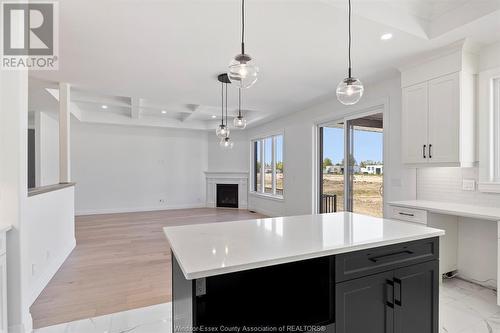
(350, 89)
(225, 142)
(222, 130)
(240, 122)
(242, 70)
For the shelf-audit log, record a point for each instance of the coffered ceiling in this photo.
(155, 62)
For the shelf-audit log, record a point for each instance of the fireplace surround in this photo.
(229, 178)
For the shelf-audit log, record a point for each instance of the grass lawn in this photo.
(367, 192)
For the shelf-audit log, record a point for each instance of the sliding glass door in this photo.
(331, 168)
(351, 166)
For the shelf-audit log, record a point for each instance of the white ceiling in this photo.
(153, 55)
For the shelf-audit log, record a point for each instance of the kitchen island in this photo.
(340, 272)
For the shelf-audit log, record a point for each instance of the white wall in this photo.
(13, 191)
(126, 168)
(235, 160)
(299, 150)
(50, 236)
(47, 148)
(477, 239)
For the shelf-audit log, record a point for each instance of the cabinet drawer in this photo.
(3, 243)
(365, 262)
(408, 214)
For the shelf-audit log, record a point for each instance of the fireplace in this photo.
(227, 195)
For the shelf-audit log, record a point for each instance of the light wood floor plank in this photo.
(121, 262)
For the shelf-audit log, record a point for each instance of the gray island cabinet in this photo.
(341, 272)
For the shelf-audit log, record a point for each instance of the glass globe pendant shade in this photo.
(349, 91)
(222, 131)
(240, 122)
(242, 71)
(226, 143)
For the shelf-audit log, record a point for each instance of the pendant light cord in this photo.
(239, 103)
(349, 47)
(242, 26)
(222, 103)
(226, 105)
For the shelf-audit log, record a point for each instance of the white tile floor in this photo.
(464, 308)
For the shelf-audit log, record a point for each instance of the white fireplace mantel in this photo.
(227, 177)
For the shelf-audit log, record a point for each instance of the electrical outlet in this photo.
(47, 255)
(468, 184)
(33, 269)
(163, 201)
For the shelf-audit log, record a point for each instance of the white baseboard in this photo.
(137, 209)
(51, 270)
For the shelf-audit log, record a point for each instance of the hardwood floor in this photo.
(121, 262)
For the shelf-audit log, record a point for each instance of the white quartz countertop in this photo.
(450, 208)
(204, 250)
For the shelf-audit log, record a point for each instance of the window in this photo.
(489, 131)
(496, 130)
(267, 169)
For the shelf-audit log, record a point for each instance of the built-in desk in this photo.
(444, 215)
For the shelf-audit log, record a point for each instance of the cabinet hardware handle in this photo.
(389, 293)
(423, 151)
(406, 214)
(397, 292)
(389, 256)
(430, 151)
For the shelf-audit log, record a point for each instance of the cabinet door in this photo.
(444, 119)
(365, 305)
(416, 298)
(414, 124)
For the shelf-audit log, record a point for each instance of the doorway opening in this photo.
(351, 165)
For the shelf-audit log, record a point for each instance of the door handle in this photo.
(423, 151)
(430, 151)
(397, 292)
(389, 293)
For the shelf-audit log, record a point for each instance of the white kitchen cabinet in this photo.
(438, 112)
(414, 127)
(434, 132)
(444, 120)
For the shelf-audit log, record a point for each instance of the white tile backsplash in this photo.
(445, 184)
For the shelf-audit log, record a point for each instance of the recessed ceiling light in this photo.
(214, 116)
(104, 106)
(163, 111)
(386, 36)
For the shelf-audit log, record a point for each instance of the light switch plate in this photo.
(468, 184)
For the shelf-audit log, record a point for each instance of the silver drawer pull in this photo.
(407, 214)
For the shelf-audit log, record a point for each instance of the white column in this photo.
(498, 260)
(13, 190)
(64, 133)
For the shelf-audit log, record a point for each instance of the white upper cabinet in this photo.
(438, 111)
(414, 130)
(444, 120)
